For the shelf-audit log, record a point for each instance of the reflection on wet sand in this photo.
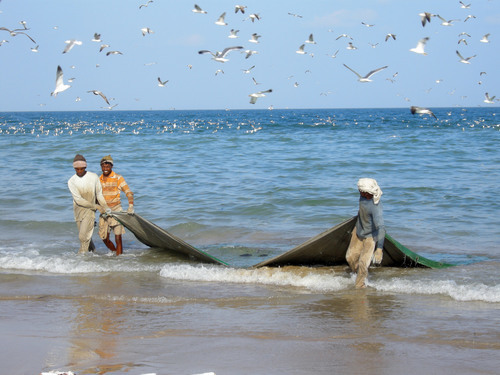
(96, 331)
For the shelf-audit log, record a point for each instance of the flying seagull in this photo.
(484, 39)
(446, 22)
(301, 51)
(425, 17)
(70, 44)
(488, 99)
(246, 71)
(220, 21)
(420, 46)
(60, 86)
(310, 40)
(145, 5)
(146, 30)
(464, 6)
(97, 92)
(233, 33)
(389, 36)
(366, 78)
(162, 83)
(254, 16)
(256, 95)
(197, 9)
(220, 56)
(97, 38)
(113, 53)
(255, 38)
(464, 60)
(240, 8)
(14, 32)
(421, 111)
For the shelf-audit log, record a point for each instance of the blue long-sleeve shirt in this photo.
(370, 222)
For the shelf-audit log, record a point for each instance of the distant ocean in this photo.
(245, 185)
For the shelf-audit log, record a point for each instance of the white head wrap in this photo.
(370, 186)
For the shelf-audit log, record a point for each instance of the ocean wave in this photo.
(325, 280)
(72, 264)
(301, 277)
(450, 288)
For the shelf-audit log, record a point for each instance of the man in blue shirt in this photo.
(369, 232)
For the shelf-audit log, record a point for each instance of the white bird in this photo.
(254, 16)
(220, 21)
(484, 39)
(240, 8)
(145, 5)
(255, 38)
(15, 32)
(219, 71)
(310, 40)
(420, 46)
(220, 56)
(233, 33)
(246, 71)
(249, 53)
(351, 46)
(469, 17)
(295, 15)
(97, 38)
(389, 36)
(60, 86)
(421, 111)
(34, 49)
(343, 36)
(425, 17)
(488, 99)
(464, 60)
(70, 44)
(97, 92)
(255, 81)
(113, 53)
(446, 22)
(366, 78)
(146, 30)
(110, 107)
(334, 55)
(103, 46)
(464, 6)
(197, 9)
(462, 41)
(301, 51)
(162, 83)
(257, 95)
(367, 25)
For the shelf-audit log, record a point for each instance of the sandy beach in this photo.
(106, 324)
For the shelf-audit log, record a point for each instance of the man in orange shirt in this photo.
(112, 184)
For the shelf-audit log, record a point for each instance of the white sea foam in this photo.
(309, 279)
(450, 288)
(72, 264)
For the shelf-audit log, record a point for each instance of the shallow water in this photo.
(244, 186)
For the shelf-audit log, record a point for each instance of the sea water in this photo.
(245, 186)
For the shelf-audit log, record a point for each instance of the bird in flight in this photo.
(70, 44)
(162, 83)
(420, 48)
(97, 92)
(421, 111)
(366, 78)
(257, 95)
(60, 85)
(464, 60)
(220, 56)
(197, 9)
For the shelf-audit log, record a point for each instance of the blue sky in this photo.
(312, 80)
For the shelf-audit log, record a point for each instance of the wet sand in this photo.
(136, 324)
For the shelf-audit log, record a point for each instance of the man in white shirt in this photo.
(86, 190)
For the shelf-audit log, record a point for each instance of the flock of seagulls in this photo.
(222, 56)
